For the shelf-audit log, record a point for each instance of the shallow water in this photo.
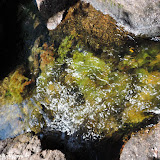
(77, 88)
(95, 96)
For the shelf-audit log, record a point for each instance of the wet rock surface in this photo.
(139, 17)
(145, 145)
(25, 147)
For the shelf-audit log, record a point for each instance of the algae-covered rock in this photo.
(139, 17)
(97, 30)
(87, 77)
(99, 96)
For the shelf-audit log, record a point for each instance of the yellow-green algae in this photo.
(16, 92)
(14, 87)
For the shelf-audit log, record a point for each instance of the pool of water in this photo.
(85, 82)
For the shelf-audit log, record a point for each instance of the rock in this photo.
(145, 145)
(52, 16)
(53, 11)
(92, 27)
(138, 17)
(54, 21)
(26, 147)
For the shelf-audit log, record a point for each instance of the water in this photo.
(86, 89)
(91, 93)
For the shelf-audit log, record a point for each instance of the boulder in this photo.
(141, 17)
(145, 145)
(27, 146)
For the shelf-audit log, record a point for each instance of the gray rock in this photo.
(137, 16)
(26, 147)
(145, 145)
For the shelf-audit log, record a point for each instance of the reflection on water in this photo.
(13, 120)
(10, 128)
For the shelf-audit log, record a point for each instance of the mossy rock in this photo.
(14, 88)
(92, 27)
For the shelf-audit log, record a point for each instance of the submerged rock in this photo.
(138, 17)
(25, 147)
(144, 145)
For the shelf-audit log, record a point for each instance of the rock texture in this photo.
(137, 16)
(26, 147)
(53, 10)
(145, 145)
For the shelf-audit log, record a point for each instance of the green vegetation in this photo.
(115, 91)
(14, 87)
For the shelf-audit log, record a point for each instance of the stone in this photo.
(145, 145)
(27, 146)
(53, 11)
(54, 21)
(141, 17)
(52, 17)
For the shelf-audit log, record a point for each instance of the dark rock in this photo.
(145, 145)
(25, 147)
(138, 17)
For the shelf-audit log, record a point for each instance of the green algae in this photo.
(98, 93)
(92, 74)
(113, 91)
(14, 87)
(145, 57)
(64, 48)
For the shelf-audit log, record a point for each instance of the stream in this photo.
(85, 83)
